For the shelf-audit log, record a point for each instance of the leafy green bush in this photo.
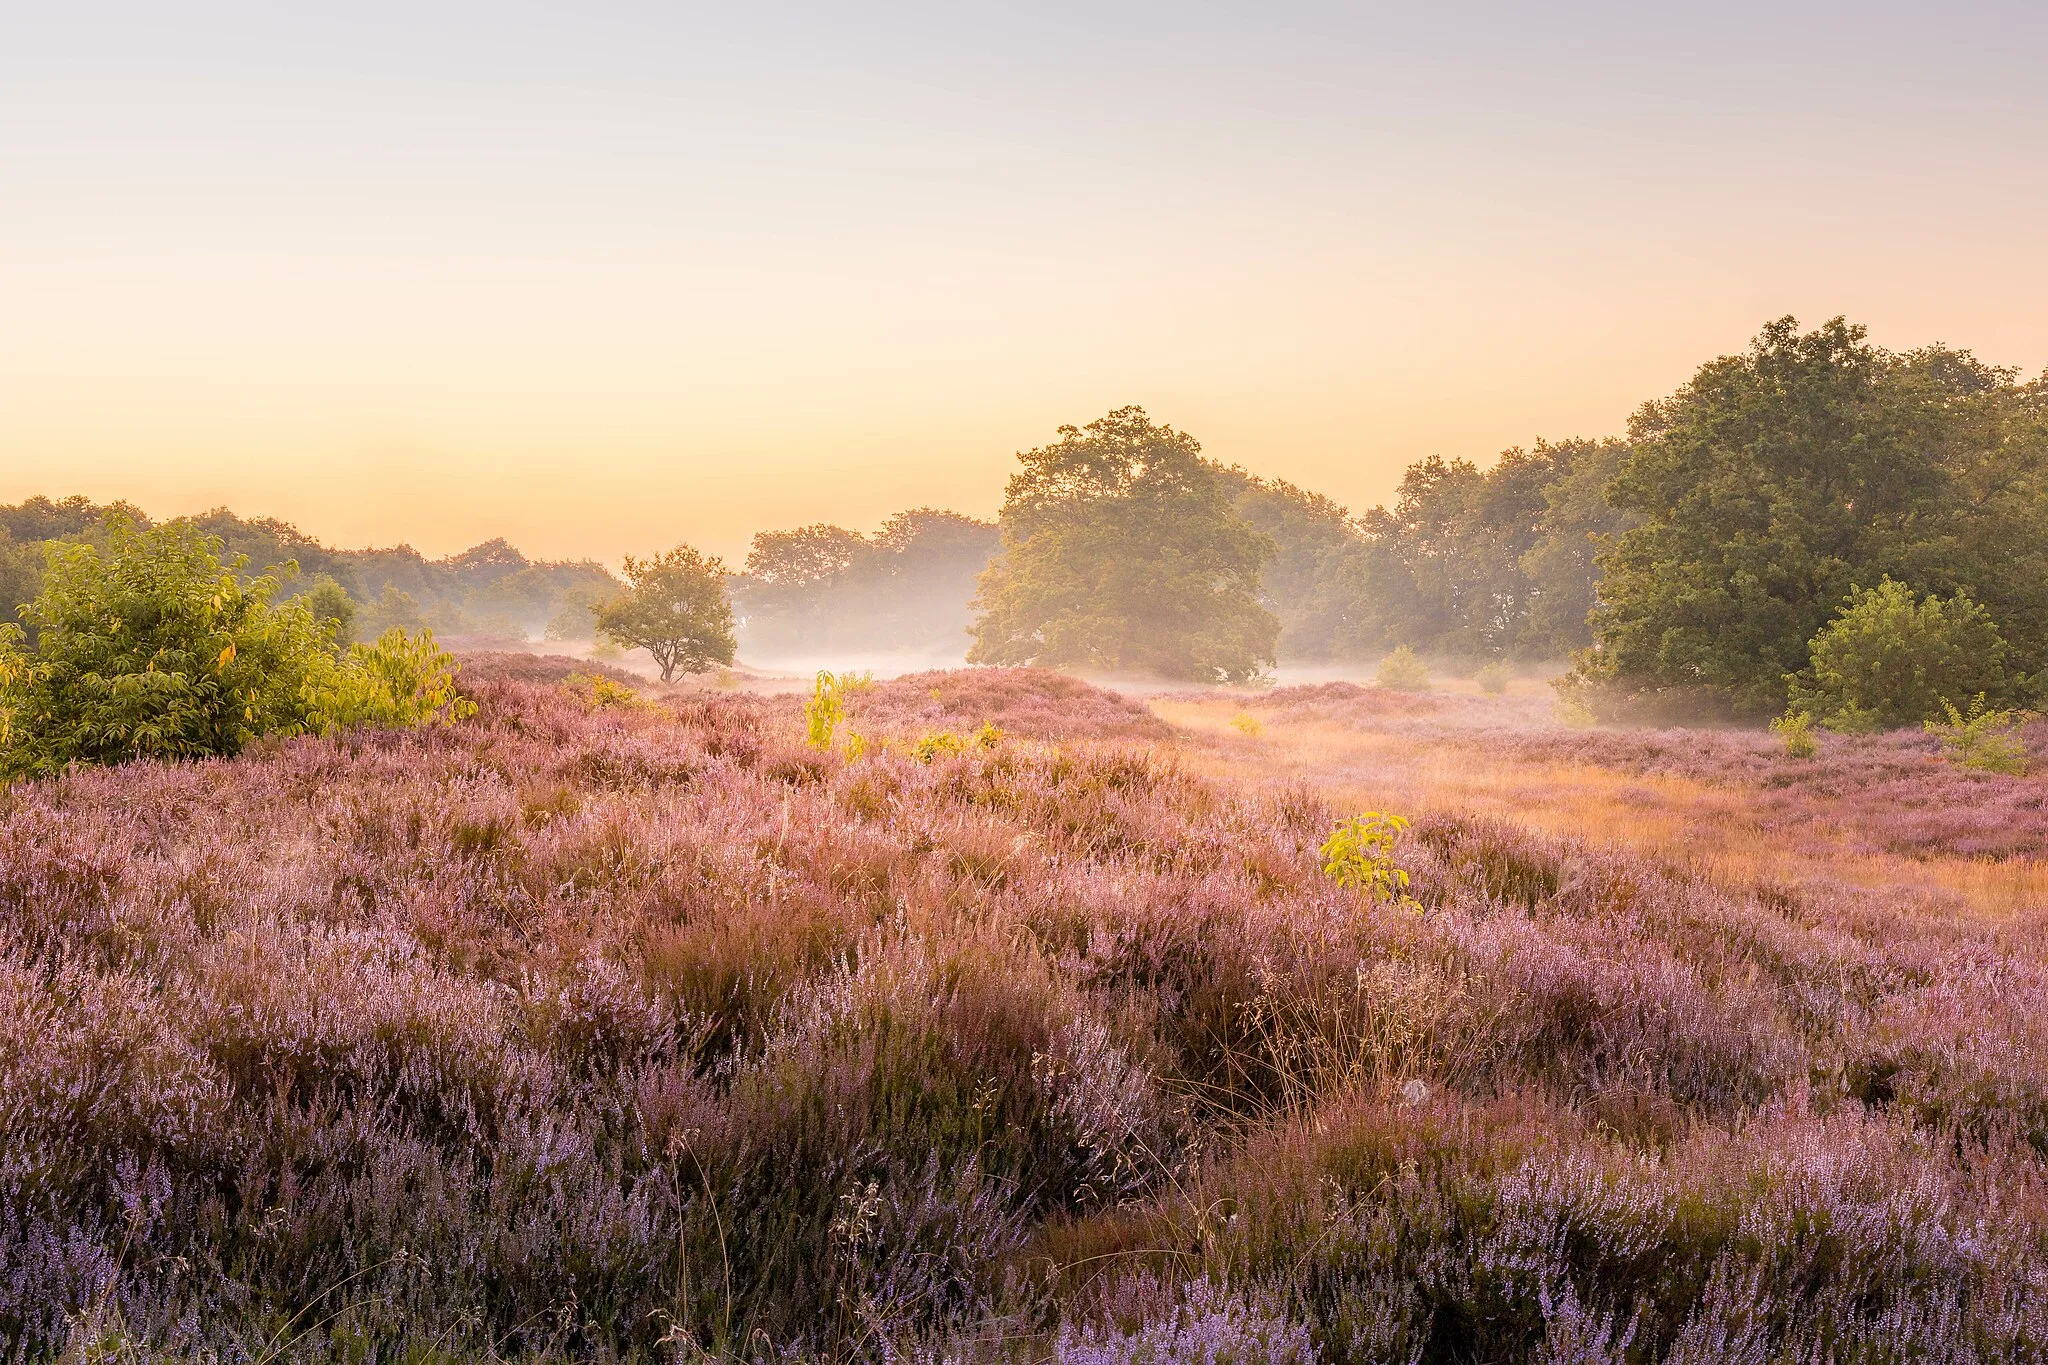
(1886, 660)
(1984, 740)
(151, 647)
(1360, 853)
(1402, 672)
(600, 693)
(1796, 728)
(1493, 679)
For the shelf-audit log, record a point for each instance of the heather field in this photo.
(600, 1027)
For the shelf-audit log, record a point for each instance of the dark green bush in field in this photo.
(151, 647)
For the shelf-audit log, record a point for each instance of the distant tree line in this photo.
(822, 587)
(490, 589)
(1816, 522)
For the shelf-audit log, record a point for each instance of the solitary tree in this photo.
(1121, 551)
(675, 608)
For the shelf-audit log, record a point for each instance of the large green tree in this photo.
(1121, 551)
(1778, 478)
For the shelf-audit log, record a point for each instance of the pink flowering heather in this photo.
(640, 1032)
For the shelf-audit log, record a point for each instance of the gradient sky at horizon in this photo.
(602, 277)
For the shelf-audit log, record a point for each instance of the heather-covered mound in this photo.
(511, 665)
(1033, 703)
(578, 1031)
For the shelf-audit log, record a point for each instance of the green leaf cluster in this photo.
(147, 645)
(1983, 739)
(1360, 854)
(1887, 660)
(1122, 552)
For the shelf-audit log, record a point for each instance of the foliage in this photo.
(907, 587)
(1121, 551)
(1795, 727)
(154, 648)
(1360, 854)
(675, 608)
(1308, 584)
(1777, 479)
(1492, 678)
(21, 577)
(599, 692)
(1402, 671)
(332, 607)
(1248, 725)
(827, 707)
(1885, 661)
(398, 680)
(1983, 739)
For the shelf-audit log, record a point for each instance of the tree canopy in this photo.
(1778, 479)
(675, 608)
(1121, 551)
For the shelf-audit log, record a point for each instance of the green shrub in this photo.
(1403, 672)
(1360, 853)
(600, 693)
(1247, 724)
(825, 709)
(1981, 739)
(1493, 678)
(1887, 661)
(151, 647)
(1796, 728)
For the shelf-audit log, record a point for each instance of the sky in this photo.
(604, 277)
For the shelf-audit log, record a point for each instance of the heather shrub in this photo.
(1209, 1325)
(627, 1032)
(1887, 661)
(1031, 703)
(1401, 671)
(1982, 740)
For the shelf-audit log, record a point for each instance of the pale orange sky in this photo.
(434, 274)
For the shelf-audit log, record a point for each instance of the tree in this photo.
(1121, 551)
(332, 607)
(1887, 661)
(1767, 486)
(21, 577)
(1576, 526)
(1306, 583)
(675, 608)
(907, 587)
